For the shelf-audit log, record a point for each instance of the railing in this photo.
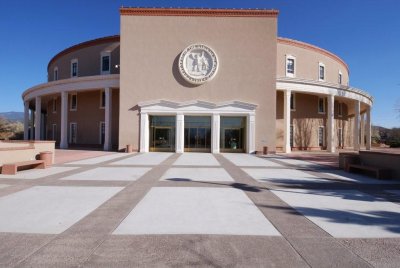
(325, 84)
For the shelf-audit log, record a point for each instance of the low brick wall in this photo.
(384, 160)
(17, 151)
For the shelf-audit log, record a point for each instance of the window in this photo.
(102, 132)
(73, 133)
(54, 105)
(290, 66)
(293, 102)
(74, 102)
(102, 99)
(55, 74)
(340, 109)
(321, 72)
(340, 78)
(321, 136)
(54, 132)
(291, 136)
(74, 68)
(321, 105)
(105, 62)
(340, 137)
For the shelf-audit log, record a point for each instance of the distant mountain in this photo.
(13, 116)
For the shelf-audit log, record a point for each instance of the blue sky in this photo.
(365, 33)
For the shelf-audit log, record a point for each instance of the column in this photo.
(286, 119)
(356, 129)
(331, 124)
(362, 130)
(64, 121)
(107, 119)
(38, 117)
(32, 123)
(251, 133)
(215, 133)
(180, 133)
(368, 128)
(144, 132)
(26, 120)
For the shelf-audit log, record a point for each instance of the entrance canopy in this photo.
(188, 138)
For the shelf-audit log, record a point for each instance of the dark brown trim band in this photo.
(198, 12)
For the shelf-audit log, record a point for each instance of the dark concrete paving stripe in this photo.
(309, 240)
(195, 250)
(75, 245)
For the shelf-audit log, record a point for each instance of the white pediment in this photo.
(196, 106)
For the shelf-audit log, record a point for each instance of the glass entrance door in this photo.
(162, 133)
(197, 134)
(233, 137)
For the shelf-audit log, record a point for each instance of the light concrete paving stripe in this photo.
(171, 210)
(196, 159)
(32, 174)
(356, 178)
(196, 174)
(286, 176)
(246, 160)
(345, 213)
(98, 160)
(49, 209)
(110, 174)
(3, 185)
(144, 159)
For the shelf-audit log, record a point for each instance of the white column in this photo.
(215, 133)
(286, 119)
(331, 124)
(362, 130)
(26, 119)
(356, 129)
(144, 132)
(64, 121)
(180, 133)
(368, 128)
(32, 123)
(107, 119)
(38, 117)
(251, 133)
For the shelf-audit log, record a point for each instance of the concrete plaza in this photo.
(194, 209)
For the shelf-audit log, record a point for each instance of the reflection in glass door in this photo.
(197, 134)
(162, 133)
(233, 137)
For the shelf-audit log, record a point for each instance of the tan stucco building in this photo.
(205, 80)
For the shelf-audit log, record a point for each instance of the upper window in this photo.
(55, 74)
(105, 61)
(321, 72)
(321, 105)
(292, 101)
(74, 68)
(290, 66)
(74, 102)
(340, 78)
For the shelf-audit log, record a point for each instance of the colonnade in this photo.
(33, 117)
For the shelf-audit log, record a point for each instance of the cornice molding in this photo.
(198, 12)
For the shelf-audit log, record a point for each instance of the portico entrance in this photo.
(197, 134)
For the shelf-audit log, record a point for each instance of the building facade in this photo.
(200, 80)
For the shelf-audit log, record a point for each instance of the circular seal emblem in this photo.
(198, 63)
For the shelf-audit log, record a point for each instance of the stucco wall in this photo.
(89, 61)
(246, 49)
(307, 64)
